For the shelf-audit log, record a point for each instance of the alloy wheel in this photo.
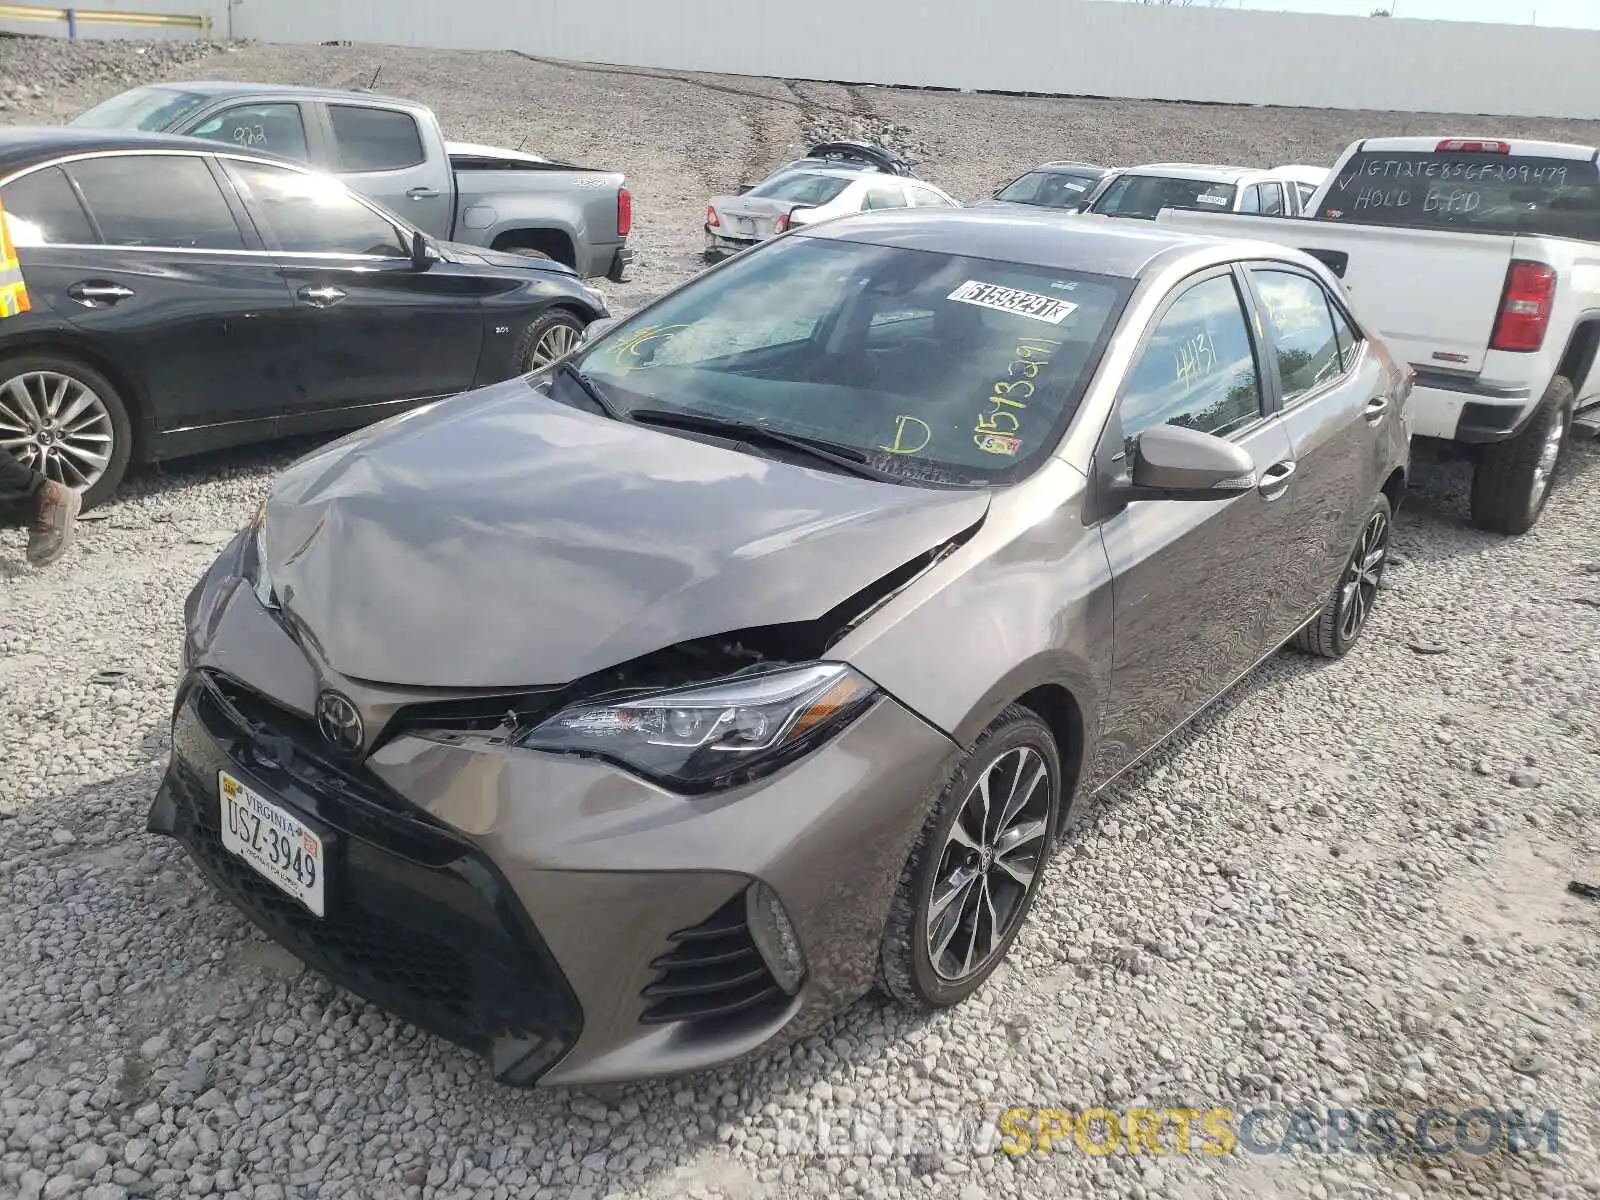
(1360, 584)
(1544, 470)
(992, 853)
(556, 342)
(57, 426)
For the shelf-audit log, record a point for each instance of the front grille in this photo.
(713, 970)
(418, 921)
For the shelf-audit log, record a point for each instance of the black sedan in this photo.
(188, 296)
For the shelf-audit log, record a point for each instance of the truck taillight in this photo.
(1472, 146)
(624, 211)
(1525, 308)
(783, 222)
(712, 219)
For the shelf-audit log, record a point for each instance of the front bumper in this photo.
(547, 911)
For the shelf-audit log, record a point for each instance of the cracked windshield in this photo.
(936, 367)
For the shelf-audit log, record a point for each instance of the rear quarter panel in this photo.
(580, 204)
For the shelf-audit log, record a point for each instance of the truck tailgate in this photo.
(1433, 295)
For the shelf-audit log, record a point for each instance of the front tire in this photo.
(63, 419)
(549, 338)
(1512, 481)
(972, 875)
(1343, 618)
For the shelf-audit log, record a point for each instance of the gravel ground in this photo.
(1343, 887)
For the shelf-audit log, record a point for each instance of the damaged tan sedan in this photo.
(617, 720)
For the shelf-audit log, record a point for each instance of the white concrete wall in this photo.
(1075, 47)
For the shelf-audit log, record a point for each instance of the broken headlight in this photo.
(712, 734)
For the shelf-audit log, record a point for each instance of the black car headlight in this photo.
(714, 734)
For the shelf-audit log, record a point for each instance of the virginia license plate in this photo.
(272, 841)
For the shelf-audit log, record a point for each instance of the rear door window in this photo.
(1271, 200)
(884, 195)
(167, 200)
(922, 197)
(1304, 342)
(42, 210)
(375, 139)
(278, 128)
(1490, 193)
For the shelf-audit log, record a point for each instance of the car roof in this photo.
(24, 145)
(225, 87)
(851, 173)
(1039, 237)
(1215, 172)
(1070, 164)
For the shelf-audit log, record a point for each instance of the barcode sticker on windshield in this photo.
(1017, 303)
(1219, 201)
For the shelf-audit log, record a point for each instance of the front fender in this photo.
(1024, 604)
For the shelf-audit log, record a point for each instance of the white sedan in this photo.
(804, 197)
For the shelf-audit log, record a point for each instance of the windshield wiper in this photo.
(592, 390)
(846, 458)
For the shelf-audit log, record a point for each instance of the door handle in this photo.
(422, 193)
(98, 293)
(325, 296)
(1375, 409)
(1275, 479)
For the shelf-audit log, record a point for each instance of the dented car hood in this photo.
(505, 539)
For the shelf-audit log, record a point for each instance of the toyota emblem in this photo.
(339, 722)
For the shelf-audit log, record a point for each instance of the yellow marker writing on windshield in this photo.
(900, 423)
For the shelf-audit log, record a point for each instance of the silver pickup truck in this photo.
(393, 151)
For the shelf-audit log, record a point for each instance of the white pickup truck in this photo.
(1479, 262)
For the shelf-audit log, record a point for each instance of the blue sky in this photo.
(1574, 14)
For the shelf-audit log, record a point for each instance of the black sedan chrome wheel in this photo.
(549, 339)
(971, 878)
(64, 420)
(57, 426)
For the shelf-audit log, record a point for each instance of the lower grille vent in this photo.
(712, 970)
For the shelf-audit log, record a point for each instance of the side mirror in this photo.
(1170, 462)
(596, 328)
(421, 256)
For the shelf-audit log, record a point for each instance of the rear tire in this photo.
(91, 417)
(991, 850)
(1513, 479)
(1343, 618)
